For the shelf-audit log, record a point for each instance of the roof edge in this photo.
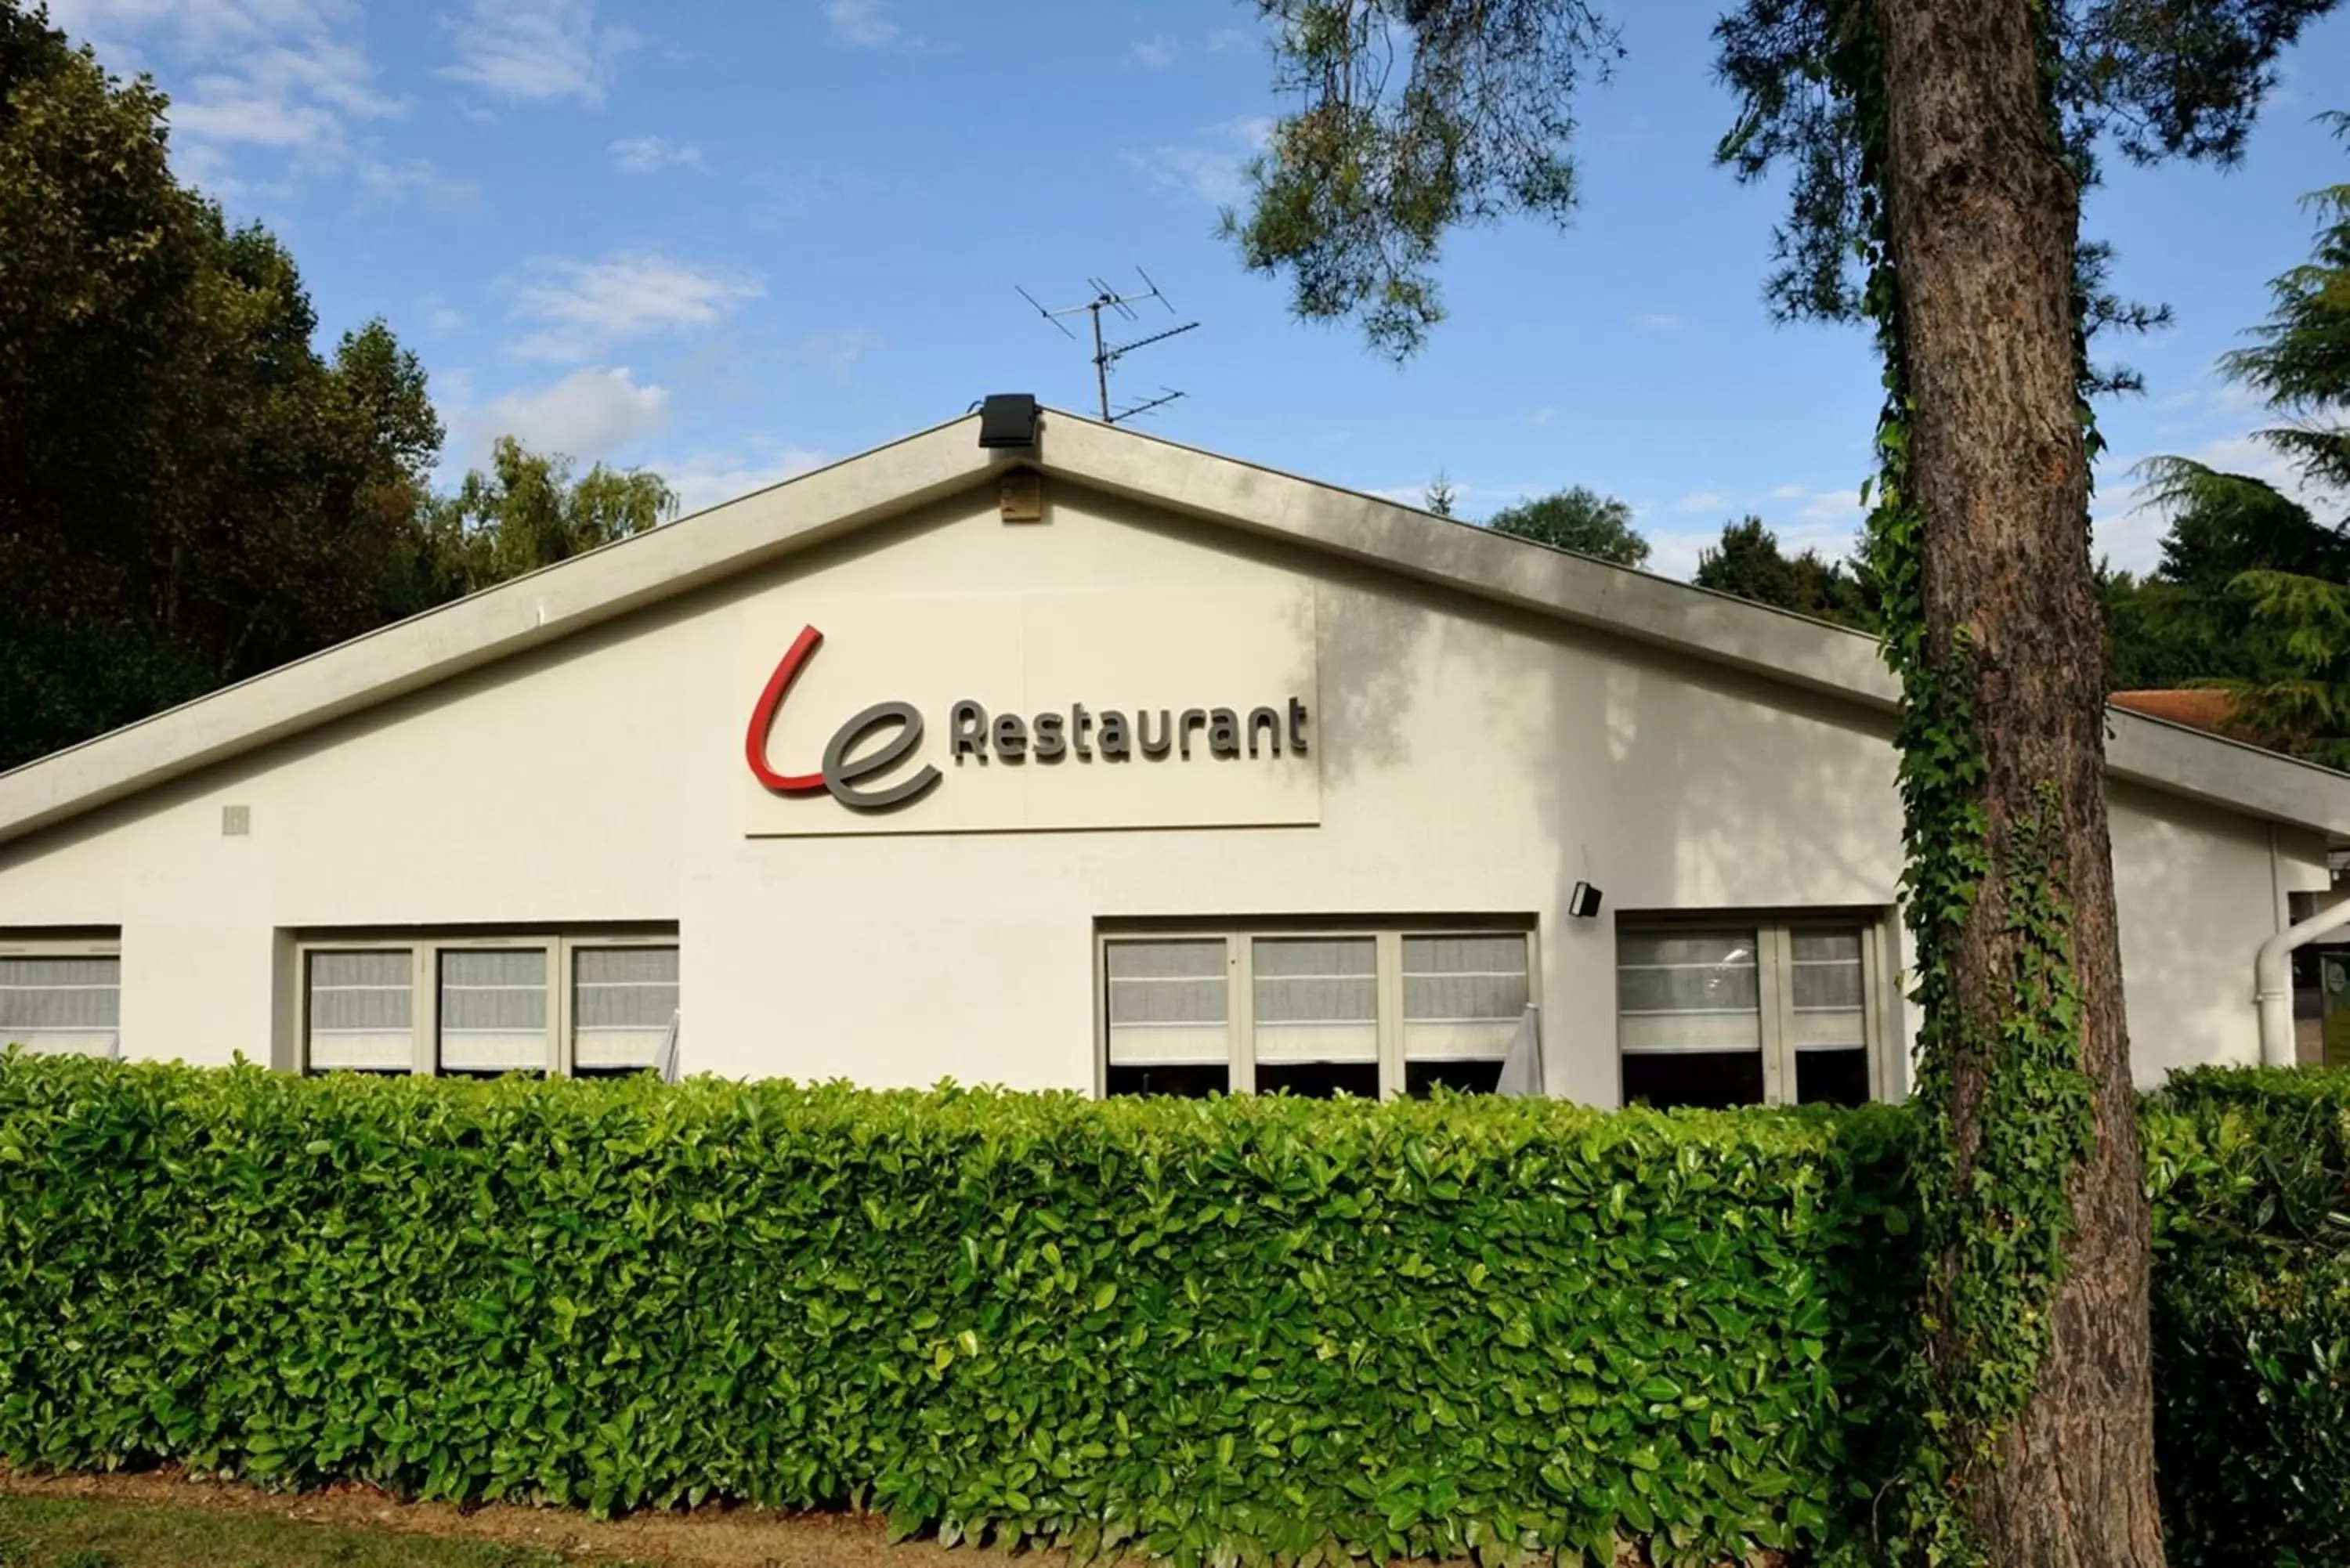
(813, 508)
(527, 612)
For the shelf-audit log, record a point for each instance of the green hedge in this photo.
(1229, 1331)
(1212, 1329)
(2252, 1315)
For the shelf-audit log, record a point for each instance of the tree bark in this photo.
(1983, 212)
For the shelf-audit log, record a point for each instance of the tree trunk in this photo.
(1982, 214)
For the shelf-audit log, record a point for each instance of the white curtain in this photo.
(62, 1005)
(1465, 997)
(1687, 990)
(492, 1010)
(1829, 991)
(1169, 1002)
(1316, 999)
(622, 1002)
(362, 1011)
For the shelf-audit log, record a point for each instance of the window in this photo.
(493, 1013)
(1317, 1015)
(488, 1002)
(61, 996)
(1463, 999)
(622, 1002)
(1368, 1012)
(1748, 1012)
(362, 1011)
(1169, 1017)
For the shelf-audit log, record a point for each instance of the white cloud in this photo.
(536, 51)
(651, 154)
(1155, 53)
(589, 414)
(1655, 321)
(1214, 171)
(802, 192)
(419, 178)
(285, 77)
(705, 479)
(1825, 516)
(861, 24)
(840, 349)
(1223, 40)
(1541, 416)
(1801, 516)
(1674, 553)
(585, 307)
(444, 318)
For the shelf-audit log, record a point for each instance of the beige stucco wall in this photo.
(1469, 759)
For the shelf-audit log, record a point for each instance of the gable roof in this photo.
(771, 524)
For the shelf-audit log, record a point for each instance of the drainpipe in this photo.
(2272, 975)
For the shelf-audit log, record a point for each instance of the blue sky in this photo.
(732, 240)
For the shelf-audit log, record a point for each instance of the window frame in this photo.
(1775, 934)
(72, 942)
(425, 945)
(1240, 937)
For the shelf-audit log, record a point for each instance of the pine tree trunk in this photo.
(1984, 213)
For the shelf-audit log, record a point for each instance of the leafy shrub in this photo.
(1228, 1329)
(1223, 1330)
(2250, 1170)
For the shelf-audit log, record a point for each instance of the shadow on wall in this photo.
(1667, 780)
(618, 633)
(2199, 892)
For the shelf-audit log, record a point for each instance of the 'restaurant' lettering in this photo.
(878, 738)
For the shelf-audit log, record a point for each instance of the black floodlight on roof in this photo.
(1008, 420)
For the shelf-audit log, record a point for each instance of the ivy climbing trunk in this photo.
(2026, 1060)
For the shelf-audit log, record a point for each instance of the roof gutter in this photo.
(2272, 977)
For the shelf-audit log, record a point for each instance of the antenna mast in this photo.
(1106, 353)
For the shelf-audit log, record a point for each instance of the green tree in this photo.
(528, 512)
(2302, 362)
(2159, 635)
(2225, 525)
(2263, 579)
(196, 491)
(1441, 497)
(1580, 519)
(1749, 563)
(2303, 704)
(99, 255)
(1938, 154)
(2182, 624)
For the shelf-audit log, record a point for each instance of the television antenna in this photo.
(1106, 353)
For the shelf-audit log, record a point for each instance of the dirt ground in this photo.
(704, 1538)
(711, 1536)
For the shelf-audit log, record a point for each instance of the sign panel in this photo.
(1027, 713)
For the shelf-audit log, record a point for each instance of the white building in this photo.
(1207, 776)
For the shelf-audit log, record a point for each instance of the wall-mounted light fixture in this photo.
(1008, 420)
(1583, 902)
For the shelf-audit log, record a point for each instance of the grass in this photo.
(55, 1533)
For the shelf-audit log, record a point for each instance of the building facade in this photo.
(1099, 763)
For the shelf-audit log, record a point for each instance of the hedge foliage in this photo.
(1215, 1331)
(1229, 1331)
(2251, 1171)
